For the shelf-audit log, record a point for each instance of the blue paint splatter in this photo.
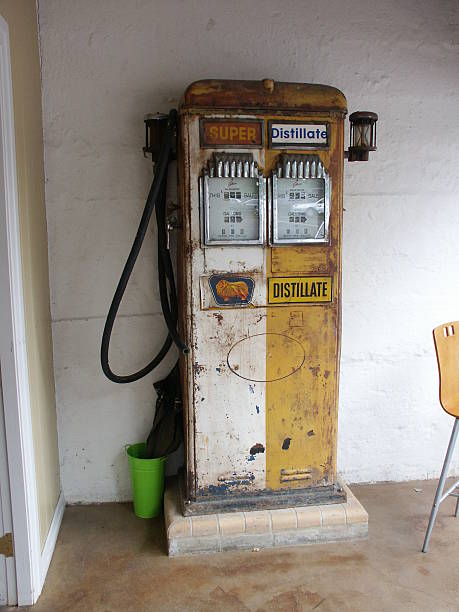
(257, 409)
(218, 370)
(218, 490)
(228, 486)
(251, 389)
(251, 458)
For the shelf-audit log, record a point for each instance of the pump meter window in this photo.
(233, 210)
(233, 205)
(301, 208)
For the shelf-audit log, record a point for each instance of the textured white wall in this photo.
(107, 63)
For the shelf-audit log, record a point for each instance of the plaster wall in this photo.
(106, 64)
(25, 69)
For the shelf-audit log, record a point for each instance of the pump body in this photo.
(260, 175)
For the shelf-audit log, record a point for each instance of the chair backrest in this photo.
(446, 338)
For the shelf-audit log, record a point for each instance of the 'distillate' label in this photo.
(300, 289)
(298, 135)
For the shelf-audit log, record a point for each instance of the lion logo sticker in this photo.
(232, 290)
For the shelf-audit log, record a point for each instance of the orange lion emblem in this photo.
(228, 290)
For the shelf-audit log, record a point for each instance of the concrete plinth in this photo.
(261, 528)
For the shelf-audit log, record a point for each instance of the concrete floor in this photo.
(107, 559)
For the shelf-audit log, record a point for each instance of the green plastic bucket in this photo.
(147, 477)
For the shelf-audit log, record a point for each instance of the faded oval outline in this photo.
(270, 379)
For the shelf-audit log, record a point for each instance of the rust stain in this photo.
(237, 94)
(226, 601)
(339, 559)
(257, 448)
(315, 370)
(294, 601)
(199, 369)
(218, 316)
(263, 565)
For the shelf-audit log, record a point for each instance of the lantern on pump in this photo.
(363, 135)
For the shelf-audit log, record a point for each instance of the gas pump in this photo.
(258, 311)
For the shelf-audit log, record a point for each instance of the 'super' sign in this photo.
(299, 290)
(216, 133)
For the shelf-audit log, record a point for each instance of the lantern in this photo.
(363, 135)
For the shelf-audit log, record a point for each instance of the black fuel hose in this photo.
(156, 199)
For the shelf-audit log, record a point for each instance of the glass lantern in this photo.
(363, 135)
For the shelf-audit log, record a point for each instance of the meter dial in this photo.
(233, 209)
(300, 200)
(300, 209)
(233, 200)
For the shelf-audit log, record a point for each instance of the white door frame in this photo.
(8, 595)
(15, 381)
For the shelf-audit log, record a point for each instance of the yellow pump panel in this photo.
(305, 406)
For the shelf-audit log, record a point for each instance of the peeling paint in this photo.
(228, 486)
(199, 369)
(218, 316)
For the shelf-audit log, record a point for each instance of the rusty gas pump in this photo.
(259, 287)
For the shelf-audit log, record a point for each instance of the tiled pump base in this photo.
(261, 528)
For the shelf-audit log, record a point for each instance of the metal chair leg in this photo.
(441, 484)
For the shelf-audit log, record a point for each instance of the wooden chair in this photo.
(446, 339)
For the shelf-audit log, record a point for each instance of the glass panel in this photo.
(300, 209)
(362, 135)
(233, 209)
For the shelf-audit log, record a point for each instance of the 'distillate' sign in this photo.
(300, 290)
(298, 135)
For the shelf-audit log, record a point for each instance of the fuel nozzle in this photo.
(155, 133)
